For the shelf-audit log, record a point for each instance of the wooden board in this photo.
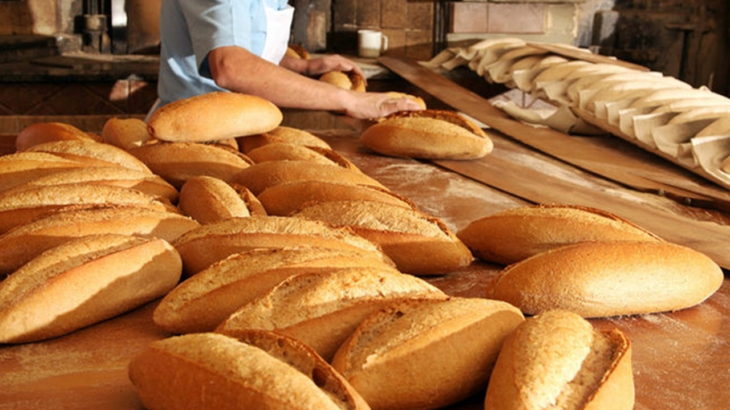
(498, 170)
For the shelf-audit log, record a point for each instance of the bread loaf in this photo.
(427, 134)
(322, 309)
(22, 167)
(426, 354)
(725, 165)
(82, 282)
(204, 301)
(348, 81)
(286, 198)
(177, 162)
(92, 153)
(417, 99)
(208, 199)
(125, 133)
(22, 243)
(600, 279)
(557, 360)
(288, 135)
(210, 243)
(515, 234)
(43, 132)
(297, 51)
(214, 371)
(214, 116)
(419, 244)
(261, 176)
(281, 151)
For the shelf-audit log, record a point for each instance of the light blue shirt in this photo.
(190, 29)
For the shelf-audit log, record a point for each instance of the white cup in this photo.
(370, 43)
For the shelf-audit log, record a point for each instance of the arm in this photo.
(236, 69)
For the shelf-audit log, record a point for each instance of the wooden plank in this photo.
(540, 187)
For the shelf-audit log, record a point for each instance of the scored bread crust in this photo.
(557, 360)
(322, 309)
(216, 371)
(513, 235)
(214, 116)
(82, 282)
(601, 279)
(206, 299)
(404, 234)
(403, 356)
(427, 134)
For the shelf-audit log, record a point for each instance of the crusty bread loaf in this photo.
(208, 199)
(515, 234)
(725, 166)
(261, 371)
(557, 360)
(427, 134)
(43, 132)
(417, 99)
(599, 279)
(146, 182)
(348, 81)
(297, 51)
(210, 243)
(426, 354)
(22, 167)
(282, 151)
(22, 243)
(261, 176)
(18, 208)
(286, 198)
(214, 116)
(177, 162)
(204, 301)
(125, 133)
(92, 153)
(419, 244)
(82, 282)
(322, 309)
(289, 135)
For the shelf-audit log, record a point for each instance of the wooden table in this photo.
(681, 360)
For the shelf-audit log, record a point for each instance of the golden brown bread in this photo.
(323, 308)
(261, 176)
(176, 162)
(22, 167)
(426, 354)
(210, 243)
(515, 234)
(557, 360)
(214, 116)
(725, 166)
(419, 244)
(92, 153)
(289, 135)
(205, 300)
(41, 133)
(348, 81)
(417, 99)
(22, 243)
(125, 133)
(286, 198)
(297, 51)
(82, 282)
(427, 134)
(208, 199)
(261, 370)
(600, 279)
(281, 151)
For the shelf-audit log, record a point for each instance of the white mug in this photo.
(370, 43)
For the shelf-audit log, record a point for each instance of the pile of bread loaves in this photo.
(289, 279)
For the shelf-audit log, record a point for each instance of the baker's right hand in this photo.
(369, 105)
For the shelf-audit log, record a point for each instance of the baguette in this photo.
(557, 360)
(177, 162)
(82, 282)
(418, 244)
(125, 133)
(208, 199)
(260, 371)
(427, 134)
(282, 151)
(210, 243)
(516, 234)
(214, 116)
(22, 167)
(284, 199)
(22, 243)
(322, 309)
(44, 132)
(601, 279)
(261, 176)
(19, 208)
(92, 153)
(204, 301)
(284, 134)
(403, 357)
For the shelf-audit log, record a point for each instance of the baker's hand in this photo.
(367, 106)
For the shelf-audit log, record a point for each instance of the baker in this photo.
(240, 46)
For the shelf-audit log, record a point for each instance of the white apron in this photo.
(278, 28)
